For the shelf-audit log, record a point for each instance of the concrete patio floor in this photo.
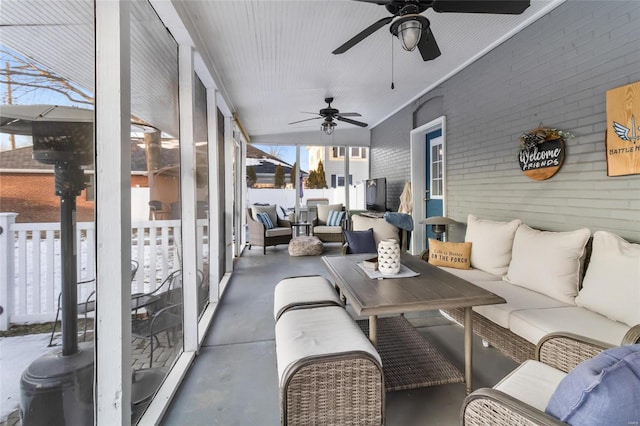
(233, 380)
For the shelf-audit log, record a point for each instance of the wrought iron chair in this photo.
(163, 308)
(87, 305)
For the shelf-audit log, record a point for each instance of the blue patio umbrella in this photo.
(300, 186)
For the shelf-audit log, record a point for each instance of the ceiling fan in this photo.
(330, 114)
(412, 28)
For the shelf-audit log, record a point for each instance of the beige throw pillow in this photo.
(611, 285)
(492, 243)
(548, 262)
(382, 230)
(452, 255)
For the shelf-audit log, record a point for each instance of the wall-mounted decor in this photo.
(542, 152)
(622, 138)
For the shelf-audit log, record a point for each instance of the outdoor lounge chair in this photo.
(567, 382)
(261, 235)
(329, 232)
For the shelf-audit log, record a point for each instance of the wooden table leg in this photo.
(468, 348)
(373, 330)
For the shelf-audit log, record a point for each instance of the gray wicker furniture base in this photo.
(305, 246)
(330, 374)
(510, 344)
(493, 406)
(409, 361)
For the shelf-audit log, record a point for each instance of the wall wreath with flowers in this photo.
(541, 152)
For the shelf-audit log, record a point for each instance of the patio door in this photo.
(434, 177)
(428, 177)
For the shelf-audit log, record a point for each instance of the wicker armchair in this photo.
(562, 351)
(325, 232)
(259, 235)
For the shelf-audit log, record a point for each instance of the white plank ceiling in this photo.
(273, 57)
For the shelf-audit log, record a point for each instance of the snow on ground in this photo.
(16, 353)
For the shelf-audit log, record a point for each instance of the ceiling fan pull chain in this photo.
(392, 85)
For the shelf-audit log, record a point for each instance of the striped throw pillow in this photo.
(335, 218)
(264, 219)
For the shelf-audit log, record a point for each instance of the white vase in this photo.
(388, 257)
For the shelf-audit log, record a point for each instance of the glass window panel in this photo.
(156, 235)
(202, 188)
(55, 251)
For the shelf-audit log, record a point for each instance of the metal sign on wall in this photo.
(623, 130)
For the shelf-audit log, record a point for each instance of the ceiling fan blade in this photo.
(363, 34)
(380, 2)
(348, 120)
(306, 119)
(509, 7)
(350, 114)
(427, 46)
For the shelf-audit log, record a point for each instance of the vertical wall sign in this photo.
(623, 130)
(542, 152)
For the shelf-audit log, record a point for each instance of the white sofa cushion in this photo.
(518, 298)
(275, 232)
(314, 332)
(492, 243)
(548, 262)
(381, 228)
(471, 275)
(533, 324)
(305, 290)
(611, 284)
(324, 229)
(532, 382)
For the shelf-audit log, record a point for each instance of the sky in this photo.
(21, 95)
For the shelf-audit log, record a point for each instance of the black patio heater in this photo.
(57, 388)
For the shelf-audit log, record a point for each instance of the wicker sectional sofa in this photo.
(550, 287)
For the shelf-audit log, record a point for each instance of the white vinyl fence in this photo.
(287, 197)
(30, 266)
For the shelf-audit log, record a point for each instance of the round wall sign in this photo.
(541, 160)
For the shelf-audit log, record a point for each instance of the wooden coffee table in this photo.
(432, 289)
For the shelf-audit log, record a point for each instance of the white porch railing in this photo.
(30, 267)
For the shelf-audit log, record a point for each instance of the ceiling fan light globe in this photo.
(327, 127)
(409, 33)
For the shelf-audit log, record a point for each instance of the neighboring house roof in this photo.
(21, 159)
(265, 163)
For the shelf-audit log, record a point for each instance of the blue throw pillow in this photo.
(604, 390)
(360, 241)
(335, 218)
(264, 219)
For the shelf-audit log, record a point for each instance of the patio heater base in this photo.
(58, 389)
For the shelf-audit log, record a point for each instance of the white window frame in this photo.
(433, 180)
